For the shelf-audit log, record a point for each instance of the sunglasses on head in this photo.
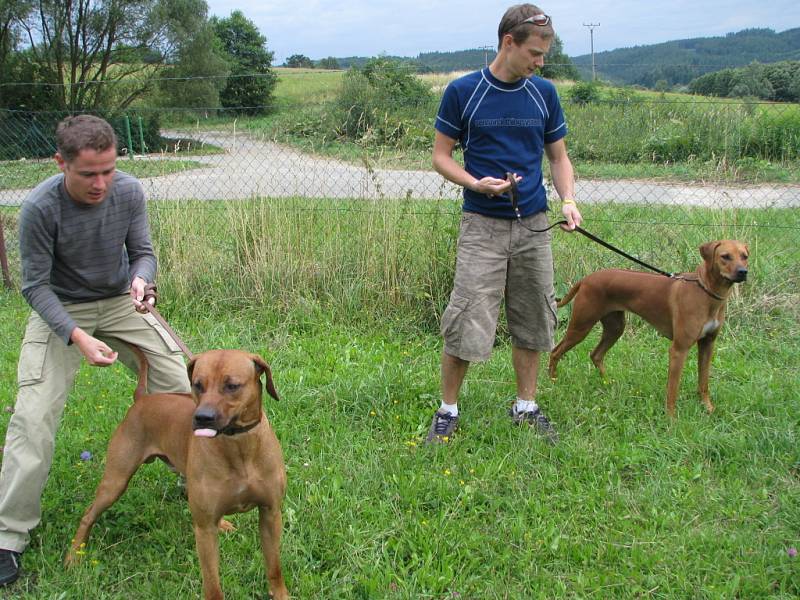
(540, 20)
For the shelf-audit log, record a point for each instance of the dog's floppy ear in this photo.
(190, 367)
(263, 367)
(708, 249)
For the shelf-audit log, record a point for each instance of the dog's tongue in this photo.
(205, 432)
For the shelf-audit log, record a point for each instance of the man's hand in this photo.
(572, 215)
(491, 186)
(137, 294)
(97, 353)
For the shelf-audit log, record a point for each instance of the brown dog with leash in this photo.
(220, 439)
(687, 309)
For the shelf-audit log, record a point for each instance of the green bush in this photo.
(377, 103)
(32, 135)
(670, 144)
(584, 92)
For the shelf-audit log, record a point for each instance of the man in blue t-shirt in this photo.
(505, 119)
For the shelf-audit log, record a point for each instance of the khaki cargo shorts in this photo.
(499, 259)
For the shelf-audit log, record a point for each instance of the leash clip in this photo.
(513, 193)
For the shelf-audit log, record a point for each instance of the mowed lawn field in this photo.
(344, 305)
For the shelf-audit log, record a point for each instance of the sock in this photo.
(451, 409)
(521, 406)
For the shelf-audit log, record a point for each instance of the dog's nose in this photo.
(204, 416)
(741, 274)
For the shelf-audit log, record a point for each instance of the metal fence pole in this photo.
(141, 135)
(3, 257)
(130, 137)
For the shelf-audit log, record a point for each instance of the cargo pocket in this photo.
(32, 356)
(453, 322)
(170, 344)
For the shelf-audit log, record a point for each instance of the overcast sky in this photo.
(408, 27)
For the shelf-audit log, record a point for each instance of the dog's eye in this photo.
(232, 387)
(726, 256)
(198, 387)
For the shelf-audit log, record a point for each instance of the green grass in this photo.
(26, 174)
(744, 172)
(343, 299)
(627, 505)
(296, 86)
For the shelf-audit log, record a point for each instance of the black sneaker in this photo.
(9, 566)
(442, 428)
(537, 420)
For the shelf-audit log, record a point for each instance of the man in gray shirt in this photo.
(86, 257)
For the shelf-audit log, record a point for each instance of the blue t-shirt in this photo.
(502, 127)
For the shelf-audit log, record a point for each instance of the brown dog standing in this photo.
(221, 440)
(686, 309)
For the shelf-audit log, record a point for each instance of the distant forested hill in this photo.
(678, 62)
(436, 62)
(557, 64)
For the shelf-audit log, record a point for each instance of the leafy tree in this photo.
(558, 65)
(328, 63)
(9, 27)
(198, 77)
(299, 61)
(79, 44)
(752, 81)
(776, 81)
(662, 85)
(251, 82)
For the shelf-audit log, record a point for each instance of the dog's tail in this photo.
(141, 386)
(570, 295)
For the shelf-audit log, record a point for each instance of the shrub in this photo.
(33, 134)
(377, 102)
(584, 92)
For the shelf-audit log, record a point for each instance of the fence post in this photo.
(3, 258)
(130, 138)
(141, 136)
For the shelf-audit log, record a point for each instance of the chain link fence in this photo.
(676, 173)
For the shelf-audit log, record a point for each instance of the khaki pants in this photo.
(46, 372)
(498, 260)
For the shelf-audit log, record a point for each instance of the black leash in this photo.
(514, 196)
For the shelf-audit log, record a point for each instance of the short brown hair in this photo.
(80, 132)
(512, 23)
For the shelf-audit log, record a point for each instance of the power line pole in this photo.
(486, 50)
(591, 27)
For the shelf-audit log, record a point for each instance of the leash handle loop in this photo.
(150, 291)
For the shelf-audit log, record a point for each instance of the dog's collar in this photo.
(702, 285)
(234, 430)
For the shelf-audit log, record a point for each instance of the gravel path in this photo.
(252, 167)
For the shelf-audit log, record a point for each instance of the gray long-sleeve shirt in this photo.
(72, 252)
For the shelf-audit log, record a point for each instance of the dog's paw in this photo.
(72, 559)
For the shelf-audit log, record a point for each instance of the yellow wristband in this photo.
(569, 201)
